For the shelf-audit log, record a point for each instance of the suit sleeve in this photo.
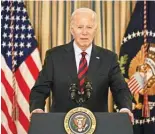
(120, 91)
(41, 89)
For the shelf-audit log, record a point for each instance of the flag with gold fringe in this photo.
(137, 62)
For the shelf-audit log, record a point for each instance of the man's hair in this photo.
(94, 16)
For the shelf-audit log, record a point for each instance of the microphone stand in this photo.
(77, 96)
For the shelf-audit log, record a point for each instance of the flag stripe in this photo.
(36, 58)
(11, 124)
(32, 67)
(6, 97)
(135, 89)
(26, 75)
(5, 124)
(20, 128)
(131, 80)
(22, 85)
(23, 119)
(7, 86)
(133, 86)
(3, 130)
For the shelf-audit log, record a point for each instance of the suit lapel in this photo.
(94, 63)
(70, 62)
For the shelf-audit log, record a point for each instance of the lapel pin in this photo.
(97, 57)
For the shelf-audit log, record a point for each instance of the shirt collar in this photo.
(78, 51)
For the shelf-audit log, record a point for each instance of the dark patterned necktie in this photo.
(82, 72)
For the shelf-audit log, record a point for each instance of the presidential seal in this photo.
(80, 121)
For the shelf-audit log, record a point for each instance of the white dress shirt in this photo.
(78, 55)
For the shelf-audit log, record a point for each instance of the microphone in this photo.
(73, 91)
(88, 88)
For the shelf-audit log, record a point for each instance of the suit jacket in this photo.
(60, 70)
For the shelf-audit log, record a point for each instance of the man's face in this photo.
(83, 29)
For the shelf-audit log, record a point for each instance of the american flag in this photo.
(20, 66)
(136, 83)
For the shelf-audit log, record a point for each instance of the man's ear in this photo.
(71, 30)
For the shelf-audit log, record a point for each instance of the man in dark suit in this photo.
(63, 66)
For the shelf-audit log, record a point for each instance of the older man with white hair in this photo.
(76, 61)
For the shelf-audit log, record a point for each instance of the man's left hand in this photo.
(124, 110)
